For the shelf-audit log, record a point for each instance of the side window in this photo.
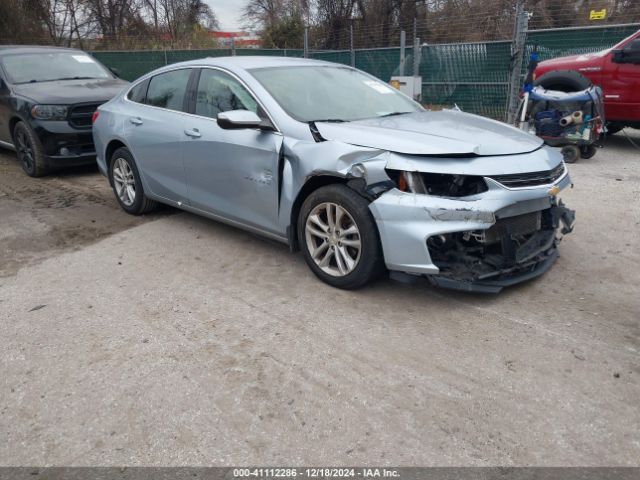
(137, 93)
(220, 92)
(167, 90)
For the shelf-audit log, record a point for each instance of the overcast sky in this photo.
(228, 13)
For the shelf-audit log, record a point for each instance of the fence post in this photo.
(306, 42)
(517, 55)
(165, 57)
(416, 49)
(233, 46)
(403, 44)
(351, 47)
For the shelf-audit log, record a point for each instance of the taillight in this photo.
(94, 117)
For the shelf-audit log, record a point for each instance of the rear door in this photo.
(154, 131)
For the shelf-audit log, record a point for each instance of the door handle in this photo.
(136, 120)
(195, 133)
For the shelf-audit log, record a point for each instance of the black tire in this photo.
(29, 150)
(588, 151)
(141, 204)
(563, 81)
(613, 128)
(370, 263)
(570, 153)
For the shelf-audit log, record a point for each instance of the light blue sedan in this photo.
(338, 164)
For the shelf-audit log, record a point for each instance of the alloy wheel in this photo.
(25, 150)
(124, 181)
(333, 239)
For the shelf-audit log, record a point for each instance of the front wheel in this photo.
(339, 237)
(29, 150)
(613, 128)
(126, 183)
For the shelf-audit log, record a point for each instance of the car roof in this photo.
(250, 61)
(12, 49)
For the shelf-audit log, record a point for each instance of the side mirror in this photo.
(634, 46)
(235, 119)
(617, 56)
(629, 54)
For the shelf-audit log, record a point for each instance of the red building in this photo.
(241, 39)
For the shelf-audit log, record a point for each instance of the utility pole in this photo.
(416, 49)
(351, 48)
(403, 44)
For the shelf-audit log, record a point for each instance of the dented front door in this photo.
(230, 173)
(233, 173)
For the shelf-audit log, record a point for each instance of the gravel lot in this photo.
(175, 340)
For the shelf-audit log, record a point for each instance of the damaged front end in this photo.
(512, 250)
(471, 231)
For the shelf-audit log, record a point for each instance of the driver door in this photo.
(621, 81)
(230, 173)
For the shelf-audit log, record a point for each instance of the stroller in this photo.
(573, 121)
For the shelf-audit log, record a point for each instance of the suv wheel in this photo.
(126, 183)
(29, 150)
(339, 237)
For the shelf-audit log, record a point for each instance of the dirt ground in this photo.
(175, 340)
(62, 212)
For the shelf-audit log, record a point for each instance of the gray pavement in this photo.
(175, 340)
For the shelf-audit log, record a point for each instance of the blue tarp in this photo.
(590, 94)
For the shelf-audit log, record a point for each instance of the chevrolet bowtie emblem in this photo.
(553, 191)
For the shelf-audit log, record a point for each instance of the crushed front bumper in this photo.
(497, 239)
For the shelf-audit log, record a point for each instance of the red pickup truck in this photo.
(616, 70)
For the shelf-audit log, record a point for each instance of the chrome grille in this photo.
(530, 179)
(80, 115)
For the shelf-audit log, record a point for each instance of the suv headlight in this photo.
(50, 112)
(438, 184)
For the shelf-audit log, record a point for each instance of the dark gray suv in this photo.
(47, 98)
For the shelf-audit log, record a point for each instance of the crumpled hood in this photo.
(71, 91)
(445, 132)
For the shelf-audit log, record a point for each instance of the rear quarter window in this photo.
(138, 92)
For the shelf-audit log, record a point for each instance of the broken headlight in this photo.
(438, 184)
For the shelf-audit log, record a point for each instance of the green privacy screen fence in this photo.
(474, 76)
(132, 64)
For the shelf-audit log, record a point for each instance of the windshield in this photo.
(46, 67)
(331, 93)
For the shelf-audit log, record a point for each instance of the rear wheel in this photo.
(126, 183)
(339, 237)
(29, 150)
